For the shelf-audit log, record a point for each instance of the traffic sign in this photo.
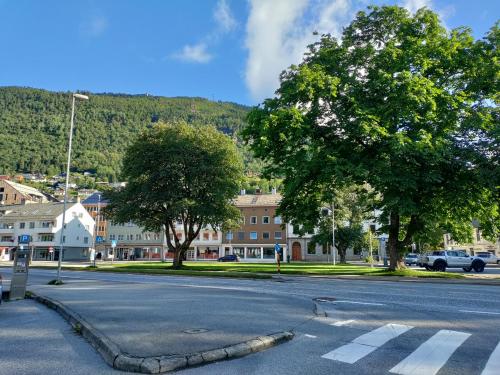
(99, 239)
(113, 243)
(24, 238)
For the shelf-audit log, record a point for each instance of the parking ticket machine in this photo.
(20, 273)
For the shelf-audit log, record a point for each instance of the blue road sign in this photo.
(99, 239)
(24, 238)
(113, 243)
(277, 248)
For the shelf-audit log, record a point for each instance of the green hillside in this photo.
(34, 127)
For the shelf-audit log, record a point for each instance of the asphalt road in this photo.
(371, 327)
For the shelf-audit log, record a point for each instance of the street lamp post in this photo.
(333, 235)
(61, 240)
(96, 234)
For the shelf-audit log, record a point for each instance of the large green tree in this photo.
(179, 175)
(400, 103)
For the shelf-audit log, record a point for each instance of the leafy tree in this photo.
(178, 175)
(352, 205)
(399, 103)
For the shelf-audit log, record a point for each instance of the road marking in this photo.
(365, 344)
(493, 364)
(361, 303)
(432, 354)
(342, 323)
(310, 336)
(480, 312)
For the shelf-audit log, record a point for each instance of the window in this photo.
(277, 220)
(241, 236)
(205, 236)
(32, 224)
(265, 219)
(253, 235)
(253, 219)
(265, 235)
(78, 238)
(45, 224)
(22, 225)
(269, 253)
(120, 237)
(253, 252)
(85, 240)
(229, 236)
(64, 239)
(311, 248)
(277, 235)
(138, 237)
(215, 236)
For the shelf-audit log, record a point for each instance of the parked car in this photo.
(411, 258)
(229, 258)
(488, 257)
(441, 259)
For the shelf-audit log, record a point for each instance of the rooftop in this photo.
(50, 209)
(23, 189)
(251, 200)
(94, 199)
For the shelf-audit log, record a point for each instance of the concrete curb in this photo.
(398, 279)
(119, 360)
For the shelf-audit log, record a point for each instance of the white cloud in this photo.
(414, 5)
(277, 36)
(224, 17)
(196, 53)
(94, 27)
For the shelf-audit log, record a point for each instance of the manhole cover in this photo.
(324, 299)
(195, 330)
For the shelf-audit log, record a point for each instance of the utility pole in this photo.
(333, 235)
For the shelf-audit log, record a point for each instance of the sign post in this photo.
(113, 245)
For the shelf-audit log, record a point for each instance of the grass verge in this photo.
(262, 270)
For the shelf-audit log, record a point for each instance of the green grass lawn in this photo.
(263, 270)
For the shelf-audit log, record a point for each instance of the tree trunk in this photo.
(342, 254)
(177, 264)
(395, 259)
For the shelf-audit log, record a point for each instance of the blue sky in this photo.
(230, 50)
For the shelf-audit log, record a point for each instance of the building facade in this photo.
(260, 230)
(94, 205)
(13, 193)
(42, 222)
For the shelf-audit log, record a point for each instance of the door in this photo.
(296, 251)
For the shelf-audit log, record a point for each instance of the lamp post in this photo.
(333, 235)
(96, 234)
(61, 240)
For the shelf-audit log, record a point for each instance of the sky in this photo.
(228, 50)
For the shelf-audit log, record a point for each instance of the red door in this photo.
(296, 253)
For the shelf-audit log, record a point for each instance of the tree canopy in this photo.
(179, 175)
(400, 103)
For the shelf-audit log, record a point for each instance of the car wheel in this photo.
(467, 269)
(478, 266)
(440, 266)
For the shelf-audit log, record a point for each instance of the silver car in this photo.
(411, 258)
(488, 257)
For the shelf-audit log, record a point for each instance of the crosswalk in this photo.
(427, 359)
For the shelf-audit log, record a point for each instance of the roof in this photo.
(50, 209)
(23, 189)
(94, 199)
(253, 200)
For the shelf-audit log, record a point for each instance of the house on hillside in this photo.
(14, 193)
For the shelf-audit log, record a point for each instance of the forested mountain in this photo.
(34, 127)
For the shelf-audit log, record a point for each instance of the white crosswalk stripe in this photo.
(432, 354)
(367, 343)
(493, 365)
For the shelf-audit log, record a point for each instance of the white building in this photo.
(42, 222)
(133, 242)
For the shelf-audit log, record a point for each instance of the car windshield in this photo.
(412, 255)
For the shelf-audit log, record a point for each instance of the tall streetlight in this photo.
(61, 240)
(334, 253)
